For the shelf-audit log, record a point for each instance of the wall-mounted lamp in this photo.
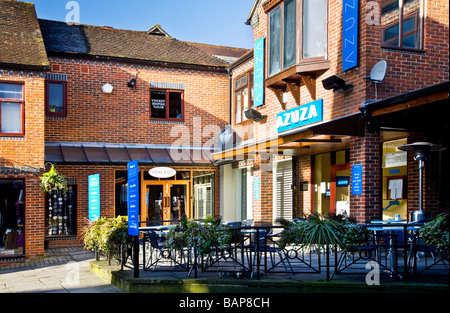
(132, 83)
(335, 83)
(255, 115)
(107, 88)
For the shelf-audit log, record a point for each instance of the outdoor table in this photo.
(391, 226)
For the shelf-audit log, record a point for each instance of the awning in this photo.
(63, 152)
(420, 110)
(329, 132)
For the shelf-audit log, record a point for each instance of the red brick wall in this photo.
(124, 115)
(26, 151)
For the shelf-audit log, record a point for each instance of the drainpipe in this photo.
(229, 94)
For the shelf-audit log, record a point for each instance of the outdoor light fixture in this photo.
(132, 83)
(107, 88)
(335, 83)
(421, 152)
(255, 115)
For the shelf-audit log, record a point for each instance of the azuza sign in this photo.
(300, 116)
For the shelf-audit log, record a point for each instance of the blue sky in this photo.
(219, 22)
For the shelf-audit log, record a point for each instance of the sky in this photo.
(217, 22)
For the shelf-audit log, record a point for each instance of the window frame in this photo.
(299, 59)
(47, 104)
(401, 35)
(249, 85)
(167, 118)
(22, 105)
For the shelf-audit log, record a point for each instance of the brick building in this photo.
(318, 131)
(312, 128)
(92, 99)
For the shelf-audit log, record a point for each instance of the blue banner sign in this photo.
(357, 175)
(94, 196)
(300, 116)
(257, 188)
(349, 34)
(258, 77)
(133, 198)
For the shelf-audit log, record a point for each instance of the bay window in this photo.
(297, 33)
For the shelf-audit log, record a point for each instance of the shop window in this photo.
(287, 35)
(402, 24)
(203, 194)
(12, 111)
(61, 216)
(167, 105)
(395, 170)
(243, 89)
(121, 193)
(55, 98)
(12, 213)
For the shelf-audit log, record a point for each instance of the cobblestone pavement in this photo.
(62, 270)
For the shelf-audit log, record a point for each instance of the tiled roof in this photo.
(87, 40)
(21, 44)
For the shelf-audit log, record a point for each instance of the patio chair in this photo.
(420, 247)
(158, 252)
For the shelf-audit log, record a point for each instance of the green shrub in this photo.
(107, 235)
(436, 233)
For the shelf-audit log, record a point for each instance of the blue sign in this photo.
(357, 174)
(257, 187)
(349, 34)
(258, 76)
(94, 196)
(300, 116)
(133, 198)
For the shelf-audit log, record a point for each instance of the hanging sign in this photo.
(349, 34)
(357, 179)
(300, 116)
(133, 198)
(162, 172)
(94, 196)
(258, 76)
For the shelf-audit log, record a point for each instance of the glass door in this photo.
(339, 193)
(165, 201)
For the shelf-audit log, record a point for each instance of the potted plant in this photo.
(53, 181)
(435, 233)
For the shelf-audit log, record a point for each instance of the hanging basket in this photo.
(53, 181)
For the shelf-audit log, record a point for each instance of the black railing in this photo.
(258, 252)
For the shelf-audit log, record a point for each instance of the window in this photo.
(297, 33)
(12, 114)
(167, 105)
(61, 213)
(243, 88)
(402, 24)
(55, 98)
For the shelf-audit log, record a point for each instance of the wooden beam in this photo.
(279, 94)
(411, 103)
(271, 143)
(310, 82)
(294, 88)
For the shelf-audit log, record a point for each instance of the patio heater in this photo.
(421, 152)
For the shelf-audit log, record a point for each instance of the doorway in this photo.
(331, 183)
(165, 201)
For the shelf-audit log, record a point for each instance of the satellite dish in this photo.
(378, 72)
